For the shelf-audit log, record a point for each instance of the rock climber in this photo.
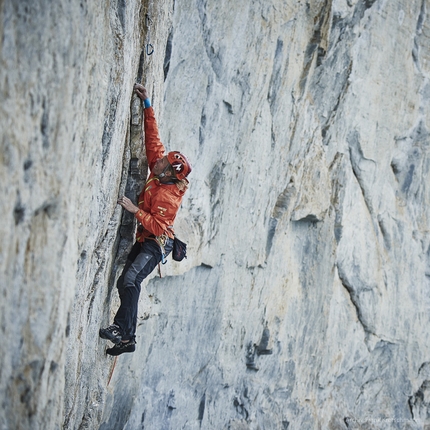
(158, 205)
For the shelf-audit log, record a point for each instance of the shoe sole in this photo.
(114, 352)
(104, 334)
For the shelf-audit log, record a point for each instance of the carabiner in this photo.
(148, 45)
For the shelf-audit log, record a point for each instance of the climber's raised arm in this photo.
(154, 148)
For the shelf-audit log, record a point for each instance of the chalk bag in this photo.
(179, 251)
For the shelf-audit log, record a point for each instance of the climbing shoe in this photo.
(122, 347)
(112, 333)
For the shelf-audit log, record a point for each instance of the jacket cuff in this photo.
(147, 103)
(140, 215)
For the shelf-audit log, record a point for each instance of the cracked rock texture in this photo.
(305, 299)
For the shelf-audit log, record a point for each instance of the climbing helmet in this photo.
(180, 164)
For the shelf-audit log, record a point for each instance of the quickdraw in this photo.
(149, 47)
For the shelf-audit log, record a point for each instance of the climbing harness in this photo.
(161, 240)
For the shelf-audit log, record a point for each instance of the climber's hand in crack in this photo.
(141, 91)
(127, 204)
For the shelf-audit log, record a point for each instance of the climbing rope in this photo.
(111, 372)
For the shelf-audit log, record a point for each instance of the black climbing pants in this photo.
(141, 261)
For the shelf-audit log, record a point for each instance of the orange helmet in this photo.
(181, 166)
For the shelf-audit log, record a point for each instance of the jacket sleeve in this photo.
(154, 148)
(150, 222)
(161, 216)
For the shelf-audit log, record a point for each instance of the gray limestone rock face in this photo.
(304, 301)
(69, 148)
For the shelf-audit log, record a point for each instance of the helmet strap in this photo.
(163, 173)
(171, 180)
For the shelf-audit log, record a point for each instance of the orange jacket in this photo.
(158, 203)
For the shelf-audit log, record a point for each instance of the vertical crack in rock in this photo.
(427, 272)
(202, 127)
(101, 259)
(275, 80)
(418, 33)
(340, 96)
(333, 40)
(18, 211)
(144, 33)
(354, 295)
(212, 51)
(168, 54)
(408, 180)
(338, 62)
(273, 222)
(318, 43)
(338, 193)
(121, 6)
(216, 180)
(362, 167)
(203, 116)
(281, 206)
(109, 125)
(202, 408)
(141, 64)
(44, 125)
(134, 174)
(385, 231)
